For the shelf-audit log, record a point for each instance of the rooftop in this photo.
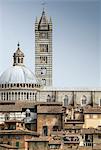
(19, 132)
(39, 139)
(49, 107)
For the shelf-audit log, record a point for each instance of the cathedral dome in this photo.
(17, 74)
(18, 82)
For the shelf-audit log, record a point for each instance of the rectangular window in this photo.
(45, 130)
(17, 144)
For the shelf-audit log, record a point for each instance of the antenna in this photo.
(43, 4)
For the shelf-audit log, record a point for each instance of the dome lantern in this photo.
(18, 57)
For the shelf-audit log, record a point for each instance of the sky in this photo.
(76, 38)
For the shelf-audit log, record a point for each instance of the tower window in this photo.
(43, 47)
(43, 70)
(43, 59)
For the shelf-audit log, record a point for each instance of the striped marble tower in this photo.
(43, 50)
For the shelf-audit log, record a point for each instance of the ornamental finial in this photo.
(18, 45)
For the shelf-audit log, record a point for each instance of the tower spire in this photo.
(18, 56)
(43, 50)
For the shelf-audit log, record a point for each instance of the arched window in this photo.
(21, 60)
(27, 95)
(7, 116)
(53, 98)
(45, 130)
(84, 100)
(28, 113)
(48, 98)
(17, 85)
(66, 100)
(18, 60)
(4, 96)
(1, 96)
(7, 96)
(15, 95)
(24, 95)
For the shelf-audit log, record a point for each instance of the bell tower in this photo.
(43, 50)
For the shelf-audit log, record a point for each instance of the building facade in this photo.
(34, 115)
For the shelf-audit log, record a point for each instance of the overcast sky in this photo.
(76, 38)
